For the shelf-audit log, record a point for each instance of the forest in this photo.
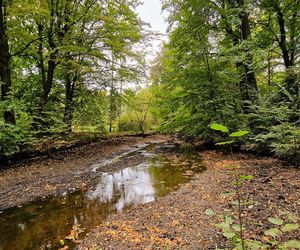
(74, 73)
(63, 64)
(80, 66)
(235, 63)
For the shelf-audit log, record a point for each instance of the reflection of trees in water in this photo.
(166, 174)
(131, 186)
(34, 225)
(140, 184)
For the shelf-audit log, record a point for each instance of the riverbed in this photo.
(139, 175)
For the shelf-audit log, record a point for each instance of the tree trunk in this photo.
(112, 96)
(249, 85)
(68, 115)
(282, 42)
(47, 85)
(288, 52)
(5, 74)
(111, 108)
(120, 106)
(41, 64)
(47, 74)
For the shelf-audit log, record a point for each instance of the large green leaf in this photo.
(224, 226)
(219, 127)
(239, 133)
(274, 232)
(245, 177)
(292, 244)
(254, 245)
(228, 220)
(289, 227)
(236, 227)
(224, 143)
(275, 221)
(229, 235)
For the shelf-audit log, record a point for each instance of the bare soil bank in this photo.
(65, 172)
(178, 221)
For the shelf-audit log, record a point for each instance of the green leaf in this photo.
(225, 143)
(275, 221)
(219, 127)
(228, 220)
(294, 244)
(289, 227)
(223, 226)
(62, 242)
(246, 177)
(239, 133)
(254, 245)
(238, 245)
(273, 242)
(209, 211)
(229, 235)
(274, 232)
(236, 227)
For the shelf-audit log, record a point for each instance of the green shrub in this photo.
(13, 137)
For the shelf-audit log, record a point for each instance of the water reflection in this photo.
(41, 225)
(131, 185)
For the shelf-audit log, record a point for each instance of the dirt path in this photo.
(178, 221)
(65, 172)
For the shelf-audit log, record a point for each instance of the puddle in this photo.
(42, 225)
(128, 153)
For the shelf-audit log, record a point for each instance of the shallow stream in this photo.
(64, 220)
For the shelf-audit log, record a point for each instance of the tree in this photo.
(137, 115)
(5, 71)
(248, 83)
(223, 63)
(284, 27)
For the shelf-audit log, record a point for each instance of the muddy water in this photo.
(64, 220)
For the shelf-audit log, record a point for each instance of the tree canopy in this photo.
(69, 65)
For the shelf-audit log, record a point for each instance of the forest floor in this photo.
(65, 170)
(180, 221)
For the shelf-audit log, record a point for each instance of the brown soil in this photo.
(62, 172)
(178, 221)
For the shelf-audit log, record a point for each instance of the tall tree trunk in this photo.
(47, 85)
(70, 86)
(282, 41)
(249, 85)
(41, 64)
(59, 26)
(288, 52)
(111, 107)
(47, 73)
(112, 95)
(120, 106)
(5, 74)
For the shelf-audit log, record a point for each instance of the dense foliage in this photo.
(235, 62)
(63, 64)
(66, 66)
